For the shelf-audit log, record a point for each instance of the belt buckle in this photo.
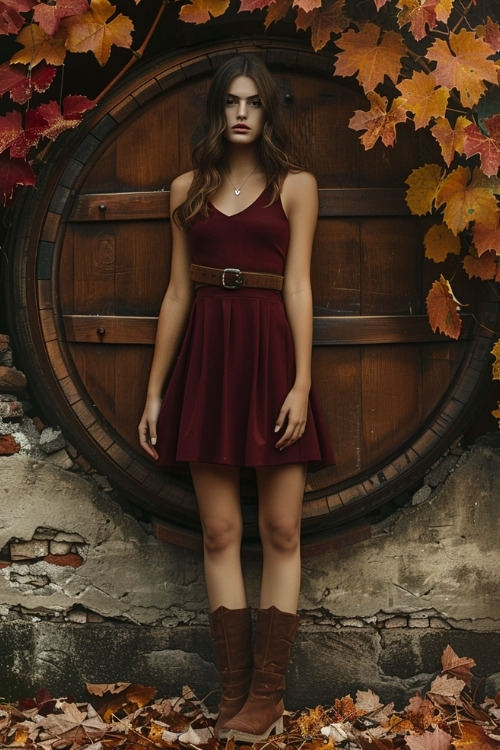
(238, 280)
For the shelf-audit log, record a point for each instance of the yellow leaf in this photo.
(496, 364)
(40, 46)
(496, 413)
(94, 32)
(439, 242)
(462, 64)
(379, 122)
(424, 98)
(372, 54)
(200, 11)
(423, 186)
(467, 199)
(450, 139)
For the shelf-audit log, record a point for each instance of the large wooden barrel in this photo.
(89, 262)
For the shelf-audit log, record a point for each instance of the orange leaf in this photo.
(418, 15)
(485, 268)
(424, 98)
(423, 186)
(38, 46)
(277, 11)
(487, 146)
(496, 364)
(463, 65)
(439, 242)
(486, 238)
(468, 199)
(95, 32)
(323, 23)
(443, 315)
(373, 54)
(450, 139)
(378, 121)
(475, 738)
(421, 712)
(307, 5)
(251, 5)
(200, 11)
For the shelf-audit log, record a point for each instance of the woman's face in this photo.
(244, 112)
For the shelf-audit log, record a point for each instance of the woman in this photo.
(238, 394)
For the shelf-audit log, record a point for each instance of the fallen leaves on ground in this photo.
(128, 716)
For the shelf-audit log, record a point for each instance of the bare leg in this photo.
(218, 495)
(281, 491)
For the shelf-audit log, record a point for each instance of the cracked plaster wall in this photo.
(377, 613)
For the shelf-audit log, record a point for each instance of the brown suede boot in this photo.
(232, 639)
(263, 710)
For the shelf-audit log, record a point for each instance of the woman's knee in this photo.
(220, 534)
(282, 536)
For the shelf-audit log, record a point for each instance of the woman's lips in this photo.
(243, 128)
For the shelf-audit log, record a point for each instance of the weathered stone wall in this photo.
(88, 593)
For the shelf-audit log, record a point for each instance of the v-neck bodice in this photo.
(253, 239)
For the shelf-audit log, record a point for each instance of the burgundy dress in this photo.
(236, 364)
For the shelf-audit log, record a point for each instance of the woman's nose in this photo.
(242, 111)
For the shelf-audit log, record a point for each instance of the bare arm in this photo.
(172, 320)
(300, 201)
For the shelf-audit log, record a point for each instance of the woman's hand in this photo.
(147, 427)
(293, 414)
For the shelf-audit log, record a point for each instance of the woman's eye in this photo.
(256, 103)
(230, 101)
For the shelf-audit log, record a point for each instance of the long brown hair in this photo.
(209, 154)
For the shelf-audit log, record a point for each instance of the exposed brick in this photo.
(28, 550)
(94, 617)
(11, 409)
(419, 622)
(72, 560)
(4, 564)
(38, 424)
(11, 379)
(83, 464)
(8, 445)
(396, 622)
(60, 548)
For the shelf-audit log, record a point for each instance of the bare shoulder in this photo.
(179, 188)
(300, 189)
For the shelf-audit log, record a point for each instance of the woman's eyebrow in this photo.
(248, 98)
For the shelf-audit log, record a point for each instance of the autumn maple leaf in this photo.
(486, 238)
(378, 121)
(276, 11)
(51, 122)
(21, 83)
(373, 54)
(484, 267)
(451, 139)
(435, 740)
(13, 172)
(423, 186)
(424, 98)
(49, 15)
(96, 31)
(492, 34)
(200, 11)
(418, 14)
(443, 315)
(496, 364)
(487, 146)
(251, 5)
(439, 242)
(468, 198)
(462, 64)
(39, 46)
(323, 23)
(11, 127)
(11, 20)
(458, 666)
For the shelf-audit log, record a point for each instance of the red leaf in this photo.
(487, 146)
(10, 129)
(13, 172)
(10, 19)
(49, 15)
(492, 35)
(20, 85)
(442, 309)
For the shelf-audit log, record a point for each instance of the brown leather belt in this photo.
(233, 278)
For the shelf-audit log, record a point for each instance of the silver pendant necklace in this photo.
(237, 191)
